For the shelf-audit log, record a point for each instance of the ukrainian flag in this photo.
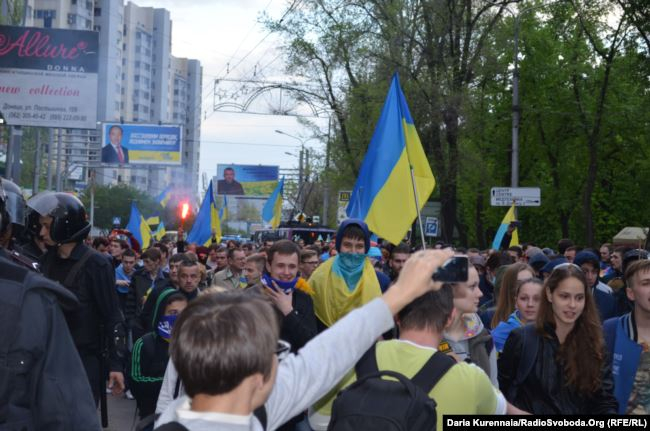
(510, 217)
(139, 228)
(207, 221)
(154, 219)
(164, 197)
(223, 212)
(383, 195)
(272, 211)
(160, 232)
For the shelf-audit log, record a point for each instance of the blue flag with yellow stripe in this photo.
(272, 211)
(206, 222)
(383, 195)
(139, 227)
(164, 197)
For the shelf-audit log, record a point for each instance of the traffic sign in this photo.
(431, 226)
(520, 196)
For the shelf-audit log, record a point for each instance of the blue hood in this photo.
(348, 222)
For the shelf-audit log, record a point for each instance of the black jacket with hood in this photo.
(149, 361)
(42, 380)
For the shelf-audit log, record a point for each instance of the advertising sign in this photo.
(142, 144)
(48, 77)
(249, 180)
(342, 205)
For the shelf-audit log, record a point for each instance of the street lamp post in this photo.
(516, 109)
(302, 161)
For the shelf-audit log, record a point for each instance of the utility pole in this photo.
(59, 159)
(50, 150)
(516, 111)
(37, 161)
(326, 177)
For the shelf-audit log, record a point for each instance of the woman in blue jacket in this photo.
(528, 295)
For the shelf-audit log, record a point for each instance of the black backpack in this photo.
(373, 403)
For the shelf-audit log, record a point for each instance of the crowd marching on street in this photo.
(288, 335)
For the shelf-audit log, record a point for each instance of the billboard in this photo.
(141, 144)
(48, 77)
(249, 180)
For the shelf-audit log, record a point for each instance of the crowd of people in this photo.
(282, 334)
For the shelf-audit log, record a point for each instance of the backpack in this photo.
(373, 403)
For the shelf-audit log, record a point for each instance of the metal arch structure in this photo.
(240, 96)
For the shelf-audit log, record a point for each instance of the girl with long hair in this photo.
(569, 371)
(528, 296)
(506, 293)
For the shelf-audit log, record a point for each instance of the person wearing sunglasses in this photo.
(225, 350)
(559, 365)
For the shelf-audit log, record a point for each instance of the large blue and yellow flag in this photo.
(206, 221)
(164, 197)
(272, 211)
(509, 218)
(383, 195)
(139, 228)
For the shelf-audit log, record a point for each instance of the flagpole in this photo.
(417, 208)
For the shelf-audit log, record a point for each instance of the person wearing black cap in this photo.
(590, 264)
(97, 323)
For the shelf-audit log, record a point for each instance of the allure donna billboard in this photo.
(48, 77)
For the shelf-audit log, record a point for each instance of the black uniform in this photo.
(98, 317)
(41, 387)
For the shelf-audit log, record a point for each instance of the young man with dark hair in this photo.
(254, 268)
(115, 248)
(602, 293)
(144, 280)
(308, 262)
(570, 253)
(348, 280)
(123, 274)
(101, 244)
(398, 257)
(164, 256)
(562, 245)
(224, 385)
(463, 389)
(517, 253)
(231, 276)
(289, 293)
(628, 339)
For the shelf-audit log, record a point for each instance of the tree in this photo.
(115, 201)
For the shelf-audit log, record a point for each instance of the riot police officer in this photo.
(40, 384)
(97, 322)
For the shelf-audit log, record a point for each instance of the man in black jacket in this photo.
(145, 280)
(97, 324)
(281, 284)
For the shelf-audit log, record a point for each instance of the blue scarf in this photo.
(286, 286)
(350, 267)
(121, 275)
(165, 326)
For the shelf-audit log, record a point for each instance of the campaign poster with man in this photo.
(248, 180)
(148, 144)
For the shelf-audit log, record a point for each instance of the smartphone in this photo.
(453, 270)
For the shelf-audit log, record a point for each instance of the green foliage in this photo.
(584, 86)
(115, 201)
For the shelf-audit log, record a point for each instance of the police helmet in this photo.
(12, 205)
(68, 214)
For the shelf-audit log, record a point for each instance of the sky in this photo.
(225, 36)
